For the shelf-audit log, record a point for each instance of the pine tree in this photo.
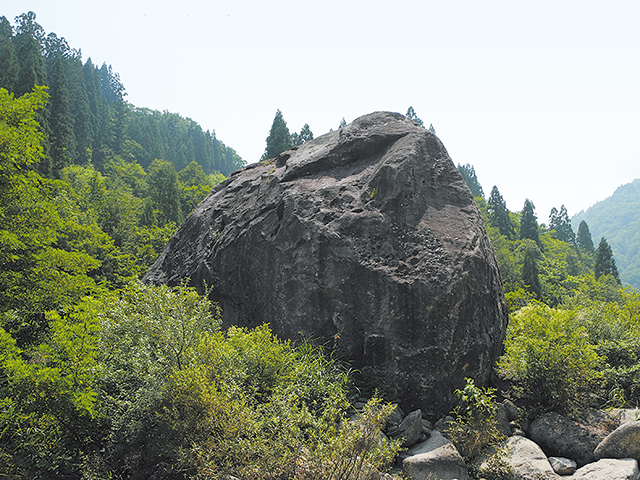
(411, 115)
(560, 225)
(605, 263)
(28, 42)
(279, 138)
(529, 222)
(584, 241)
(304, 136)
(530, 272)
(62, 138)
(469, 174)
(8, 62)
(499, 215)
(343, 123)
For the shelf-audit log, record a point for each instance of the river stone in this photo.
(366, 239)
(560, 436)
(608, 469)
(623, 442)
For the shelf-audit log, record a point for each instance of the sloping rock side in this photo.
(367, 238)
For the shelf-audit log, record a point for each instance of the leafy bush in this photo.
(475, 427)
(549, 359)
(353, 450)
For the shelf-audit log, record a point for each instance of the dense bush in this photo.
(549, 359)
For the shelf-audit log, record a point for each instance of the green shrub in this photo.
(475, 427)
(549, 359)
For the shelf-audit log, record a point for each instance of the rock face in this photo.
(366, 238)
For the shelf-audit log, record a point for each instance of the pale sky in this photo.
(542, 98)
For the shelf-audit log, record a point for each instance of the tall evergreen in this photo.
(164, 190)
(499, 215)
(584, 241)
(62, 138)
(529, 222)
(560, 225)
(8, 62)
(28, 40)
(79, 109)
(304, 136)
(469, 174)
(530, 272)
(279, 138)
(605, 264)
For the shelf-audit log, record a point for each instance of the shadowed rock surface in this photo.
(367, 238)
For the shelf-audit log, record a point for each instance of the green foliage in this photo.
(353, 449)
(469, 174)
(549, 359)
(279, 138)
(475, 427)
(560, 226)
(411, 115)
(498, 215)
(604, 262)
(584, 241)
(616, 219)
(529, 222)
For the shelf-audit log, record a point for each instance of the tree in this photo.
(530, 272)
(164, 191)
(584, 241)
(431, 129)
(29, 40)
(279, 138)
(411, 115)
(560, 225)
(63, 141)
(469, 174)
(529, 222)
(499, 215)
(343, 123)
(304, 136)
(8, 62)
(605, 264)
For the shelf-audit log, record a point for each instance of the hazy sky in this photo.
(542, 98)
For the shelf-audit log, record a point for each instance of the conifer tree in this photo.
(499, 215)
(560, 224)
(164, 190)
(529, 222)
(28, 41)
(411, 115)
(584, 241)
(469, 174)
(605, 264)
(279, 138)
(530, 272)
(343, 123)
(8, 62)
(62, 138)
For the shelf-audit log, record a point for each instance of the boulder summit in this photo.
(366, 239)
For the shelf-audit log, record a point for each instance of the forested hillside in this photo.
(102, 376)
(617, 218)
(87, 119)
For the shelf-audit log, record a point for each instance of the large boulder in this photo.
(561, 437)
(366, 239)
(608, 469)
(435, 458)
(623, 442)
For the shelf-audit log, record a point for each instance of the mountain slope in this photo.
(617, 218)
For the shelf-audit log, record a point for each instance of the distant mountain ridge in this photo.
(617, 218)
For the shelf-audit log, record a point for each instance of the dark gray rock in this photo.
(559, 436)
(366, 238)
